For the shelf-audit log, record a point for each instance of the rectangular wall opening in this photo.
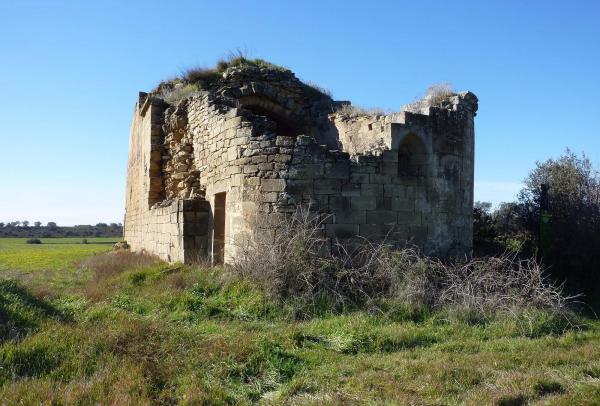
(219, 229)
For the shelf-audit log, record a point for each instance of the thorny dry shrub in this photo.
(291, 259)
(481, 286)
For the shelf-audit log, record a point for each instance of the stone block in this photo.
(351, 189)
(267, 166)
(316, 202)
(402, 204)
(304, 140)
(339, 203)
(250, 168)
(376, 230)
(367, 189)
(304, 171)
(363, 169)
(389, 156)
(389, 168)
(350, 216)
(269, 197)
(327, 186)
(300, 186)
(282, 141)
(280, 158)
(409, 218)
(237, 180)
(422, 205)
(232, 122)
(383, 203)
(418, 234)
(379, 178)
(392, 190)
(359, 177)
(273, 185)
(232, 153)
(363, 202)
(259, 159)
(339, 170)
(381, 217)
(233, 169)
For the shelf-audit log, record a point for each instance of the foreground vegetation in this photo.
(132, 330)
(570, 246)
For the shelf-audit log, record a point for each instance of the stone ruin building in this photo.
(206, 157)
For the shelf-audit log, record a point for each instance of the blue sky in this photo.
(70, 72)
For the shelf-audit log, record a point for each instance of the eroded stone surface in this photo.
(270, 143)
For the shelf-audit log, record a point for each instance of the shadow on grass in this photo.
(21, 312)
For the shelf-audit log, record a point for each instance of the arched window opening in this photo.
(283, 126)
(262, 106)
(413, 160)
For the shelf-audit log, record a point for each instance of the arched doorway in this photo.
(413, 159)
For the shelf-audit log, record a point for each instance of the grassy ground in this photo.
(126, 332)
(55, 260)
(52, 254)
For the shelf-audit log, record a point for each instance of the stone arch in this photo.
(281, 116)
(413, 158)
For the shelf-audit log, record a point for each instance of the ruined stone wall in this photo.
(427, 202)
(362, 134)
(264, 148)
(174, 230)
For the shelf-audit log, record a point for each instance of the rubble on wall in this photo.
(181, 176)
(271, 142)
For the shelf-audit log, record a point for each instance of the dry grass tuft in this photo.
(110, 263)
(178, 92)
(351, 111)
(106, 265)
(434, 97)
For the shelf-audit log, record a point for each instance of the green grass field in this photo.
(130, 331)
(53, 254)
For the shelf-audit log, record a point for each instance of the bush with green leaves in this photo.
(573, 254)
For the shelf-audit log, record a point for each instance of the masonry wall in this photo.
(371, 196)
(406, 178)
(176, 230)
(363, 134)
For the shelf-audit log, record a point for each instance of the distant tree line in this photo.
(568, 243)
(51, 229)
